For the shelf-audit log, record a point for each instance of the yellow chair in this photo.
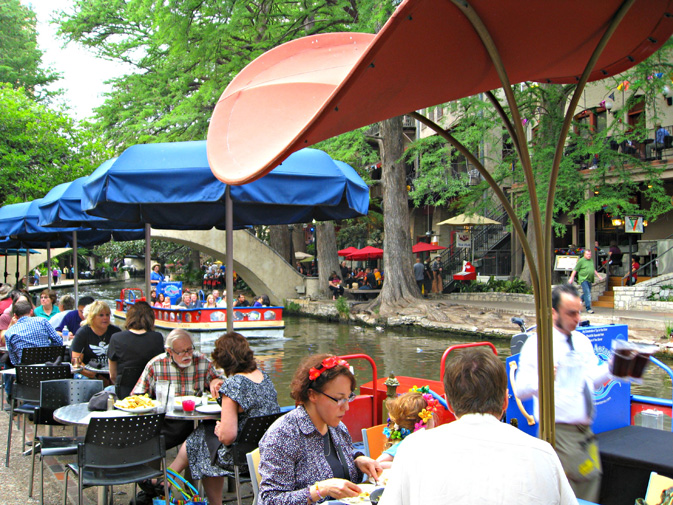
(374, 440)
(255, 478)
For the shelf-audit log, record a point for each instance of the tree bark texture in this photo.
(279, 241)
(328, 260)
(399, 287)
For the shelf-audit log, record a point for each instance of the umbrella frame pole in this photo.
(6, 273)
(75, 267)
(229, 249)
(27, 266)
(148, 260)
(48, 265)
(16, 272)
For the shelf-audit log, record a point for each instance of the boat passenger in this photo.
(476, 458)
(186, 300)
(90, 344)
(216, 294)
(136, 345)
(210, 302)
(408, 413)
(241, 301)
(161, 299)
(247, 392)
(167, 302)
(262, 301)
(48, 307)
(222, 303)
(156, 277)
(153, 296)
(194, 302)
(307, 455)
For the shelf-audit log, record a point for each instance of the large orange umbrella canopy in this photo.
(428, 53)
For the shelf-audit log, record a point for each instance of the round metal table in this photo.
(79, 415)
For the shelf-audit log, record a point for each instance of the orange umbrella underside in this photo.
(314, 88)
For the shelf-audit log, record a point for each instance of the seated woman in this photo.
(92, 339)
(307, 455)
(48, 306)
(166, 303)
(335, 285)
(153, 296)
(210, 302)
(247, 392)
(161, 299)
(407, 413)
(138, 344)
(262, 301)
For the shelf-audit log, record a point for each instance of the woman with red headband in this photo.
(307, 455)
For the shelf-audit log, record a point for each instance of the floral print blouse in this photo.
(292, 458)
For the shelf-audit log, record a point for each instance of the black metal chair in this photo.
(119, 450)
(247, 441)
(127, 381)
(53, 395)
(26, 394)
(39, 355)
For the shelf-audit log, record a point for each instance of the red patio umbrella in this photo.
(422, 247)
(366, 253)
(346, 252)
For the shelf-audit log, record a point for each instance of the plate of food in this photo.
(209, 409)
(364, 496)
(177, 404)
(137, 404)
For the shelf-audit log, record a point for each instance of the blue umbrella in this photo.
(171, 186)
(62, 207)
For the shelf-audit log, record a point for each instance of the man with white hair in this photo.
(181, 365)
(191, 372)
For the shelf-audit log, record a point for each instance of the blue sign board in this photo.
(172, 290)
(613, 399)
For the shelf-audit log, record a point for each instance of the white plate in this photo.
(209, 409)
(366, 488)
(139, 410)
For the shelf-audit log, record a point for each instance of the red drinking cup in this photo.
(188, 406)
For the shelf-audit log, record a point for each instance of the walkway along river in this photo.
(412, 352)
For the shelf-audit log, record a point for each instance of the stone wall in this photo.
(635, 297)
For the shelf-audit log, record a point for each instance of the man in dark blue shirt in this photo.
(74, 318)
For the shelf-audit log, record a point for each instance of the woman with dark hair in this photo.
(159, 301)
(307, 455)
(247, 392)
(136, 345)
(335, 285)
(262, 301)
(48, 306)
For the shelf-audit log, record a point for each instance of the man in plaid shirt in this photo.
(27, 331)
(190, 371)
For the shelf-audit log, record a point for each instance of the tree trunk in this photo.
(399, 287)
(298, 240)
(279, 241)
(328, 261)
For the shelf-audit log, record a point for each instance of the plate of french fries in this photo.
(137, 404)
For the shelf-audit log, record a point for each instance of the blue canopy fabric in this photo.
(19, 222)
(62, 207)
(171, 186)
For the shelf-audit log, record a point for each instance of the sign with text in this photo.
(463, 239)
(565, 262)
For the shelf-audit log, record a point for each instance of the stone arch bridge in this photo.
(263, 269)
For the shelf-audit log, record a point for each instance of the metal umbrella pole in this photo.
(27, 266)
(229, 268)
(48, 265)
(75, 267)
(16, 273)
(148, 261)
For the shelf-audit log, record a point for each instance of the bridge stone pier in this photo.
(262, 268)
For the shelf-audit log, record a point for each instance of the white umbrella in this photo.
(469, 221)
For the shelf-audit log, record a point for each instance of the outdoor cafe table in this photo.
(79, 415)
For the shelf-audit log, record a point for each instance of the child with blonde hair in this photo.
(408, 413)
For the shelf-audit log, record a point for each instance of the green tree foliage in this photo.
(161, 250)
(20, 57)
(185, 53)
(40, 148)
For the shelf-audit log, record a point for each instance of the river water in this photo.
(411, 352)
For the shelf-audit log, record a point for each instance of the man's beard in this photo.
(187, 365)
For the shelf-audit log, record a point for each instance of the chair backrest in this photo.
(251, 433)
(127, 381)
(55, 394)
(38, 355)
(374, 440)
(28, 379)
(115, 442)
(253, 469)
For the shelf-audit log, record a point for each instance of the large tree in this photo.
(20, 58)
(40, 148)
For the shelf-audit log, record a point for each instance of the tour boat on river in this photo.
(249, 321)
